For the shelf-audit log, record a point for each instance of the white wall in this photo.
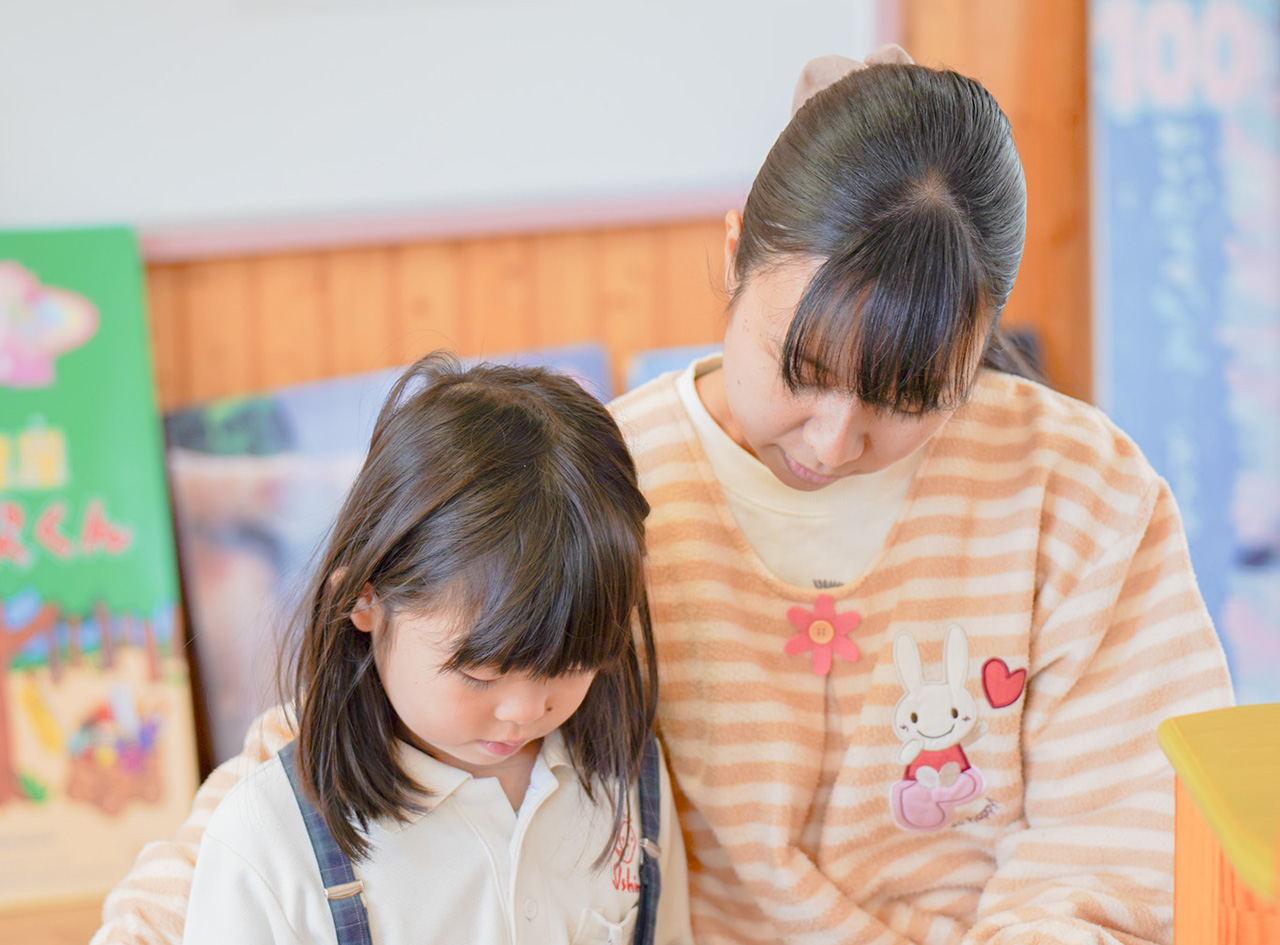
(178, 116)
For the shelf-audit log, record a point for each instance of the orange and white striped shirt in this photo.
(1035, 528)
(1036, 547)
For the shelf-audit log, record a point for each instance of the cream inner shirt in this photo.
(469, 869)
(816, 539)
(811, 539)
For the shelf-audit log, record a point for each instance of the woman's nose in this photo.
(835, 433)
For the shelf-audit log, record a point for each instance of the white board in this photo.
(177, 115)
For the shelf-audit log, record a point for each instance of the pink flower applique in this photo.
(823, 630)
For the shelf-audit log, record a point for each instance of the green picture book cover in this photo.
(97, 748)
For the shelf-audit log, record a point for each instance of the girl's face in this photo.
(810, 438)
(477, 720)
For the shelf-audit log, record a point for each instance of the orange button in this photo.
(821, 631)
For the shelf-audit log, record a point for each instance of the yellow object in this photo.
(1228, 760)
(105, 756)
(46, 727)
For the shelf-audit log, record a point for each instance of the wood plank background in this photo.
(236, 326)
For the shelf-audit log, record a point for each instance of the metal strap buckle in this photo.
(344, 891)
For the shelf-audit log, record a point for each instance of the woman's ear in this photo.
(732, 231)
(367, 612)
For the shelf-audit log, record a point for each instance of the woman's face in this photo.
(812, 437)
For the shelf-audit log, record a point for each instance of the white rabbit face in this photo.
(935, 715)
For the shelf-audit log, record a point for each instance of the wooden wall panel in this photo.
(165, 322)
(289, 301)
(1033, 59)
(239, 326)
(359, 310)
(429, 298)
(566, 288)
(218, 313)
(631, 285)
(497, 290)
(692, 259)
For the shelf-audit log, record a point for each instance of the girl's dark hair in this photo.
(510, 489)
(905, 183)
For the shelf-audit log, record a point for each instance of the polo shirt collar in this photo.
(441, 780)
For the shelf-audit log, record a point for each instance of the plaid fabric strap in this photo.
(650, 821)
(342, 889)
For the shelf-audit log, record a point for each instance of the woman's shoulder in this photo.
(641, 406)
(654, 423)
(1010, 416)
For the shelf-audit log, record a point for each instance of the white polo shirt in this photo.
(470, 870)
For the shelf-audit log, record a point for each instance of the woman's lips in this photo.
(807, 474)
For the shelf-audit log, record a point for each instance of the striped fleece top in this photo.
(1037, 583)
(999, 672)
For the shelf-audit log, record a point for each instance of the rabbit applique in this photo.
(932, 719)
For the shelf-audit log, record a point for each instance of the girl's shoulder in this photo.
(255, 856)
(258, 812)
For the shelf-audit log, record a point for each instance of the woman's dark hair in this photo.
(904, 182)
(511, 489)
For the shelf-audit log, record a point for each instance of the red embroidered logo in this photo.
(822, 630)
(625, 851)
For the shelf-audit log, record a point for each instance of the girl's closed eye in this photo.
(479, 682)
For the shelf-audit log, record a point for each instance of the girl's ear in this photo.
(367, 611)
(732, 232)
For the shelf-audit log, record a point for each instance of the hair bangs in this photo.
(868, 323)
(554, 595)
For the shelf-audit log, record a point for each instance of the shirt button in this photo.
(822, 631)
(530, 908)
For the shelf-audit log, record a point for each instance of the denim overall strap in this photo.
(650, 821)
(342, 889)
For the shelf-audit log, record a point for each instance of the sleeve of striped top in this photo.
(148, 906)
(1125, 641)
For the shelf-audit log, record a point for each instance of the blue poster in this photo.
(1186, 180)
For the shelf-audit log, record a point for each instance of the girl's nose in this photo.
(523, 705)
(835, 433)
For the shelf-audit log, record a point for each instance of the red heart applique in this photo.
(1001, 686)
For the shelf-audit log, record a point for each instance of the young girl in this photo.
(917, 618)
(472, 701)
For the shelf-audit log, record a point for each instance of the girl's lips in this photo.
(807, 474)
(502, 749)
